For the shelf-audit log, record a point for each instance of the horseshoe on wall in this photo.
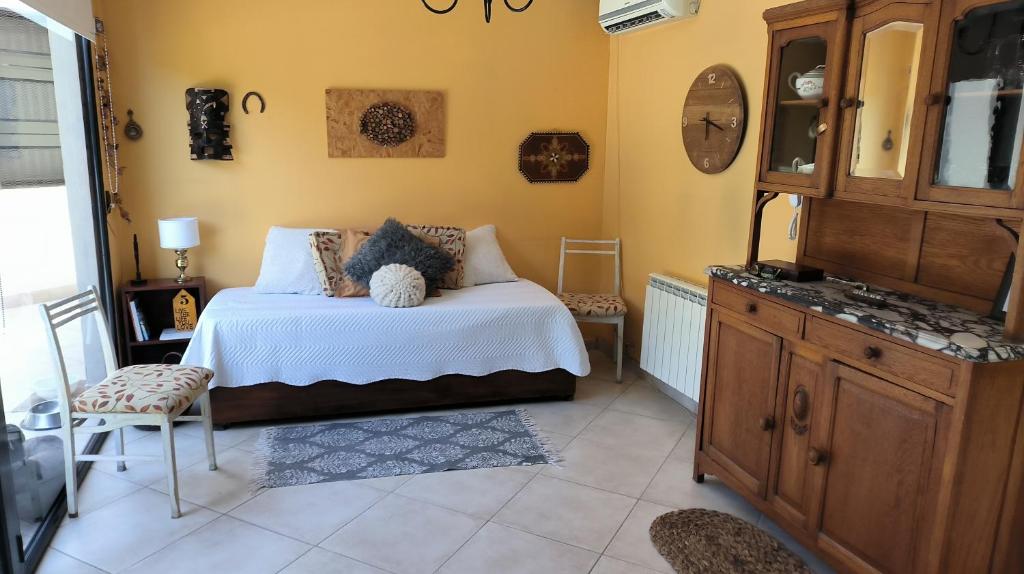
(245, 100)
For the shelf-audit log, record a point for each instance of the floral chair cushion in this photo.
(150, 389)
(594, 305)
(452, 240)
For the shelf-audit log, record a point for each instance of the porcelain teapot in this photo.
(810, 85)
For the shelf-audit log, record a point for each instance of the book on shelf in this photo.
(133, 310)
(172, 334)
(139, 322)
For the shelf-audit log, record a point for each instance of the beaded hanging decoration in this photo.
(108, 123)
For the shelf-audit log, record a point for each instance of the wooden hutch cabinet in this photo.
(884, 433)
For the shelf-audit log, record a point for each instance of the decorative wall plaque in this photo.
(554, 157)
(208, 129)
(385, 123)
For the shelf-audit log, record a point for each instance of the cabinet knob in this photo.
(936, 99)
(751, 308)
(847, 103)
(872, 352)
(815, 456)
(766, 423)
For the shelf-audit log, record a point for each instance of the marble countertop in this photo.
(949, 329)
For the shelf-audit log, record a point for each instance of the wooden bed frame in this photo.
(274, 401)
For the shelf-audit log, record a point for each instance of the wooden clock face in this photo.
(714, 119)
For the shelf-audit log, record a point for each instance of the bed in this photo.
(293, 356)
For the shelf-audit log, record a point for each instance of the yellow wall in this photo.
(551, 67)
(673, 219)
(541, 70)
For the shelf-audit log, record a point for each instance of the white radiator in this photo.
(673, 341)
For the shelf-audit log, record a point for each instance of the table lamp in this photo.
(179, 234)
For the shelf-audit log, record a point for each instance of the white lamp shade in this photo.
(179, 232)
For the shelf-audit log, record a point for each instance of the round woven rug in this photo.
(698, 540)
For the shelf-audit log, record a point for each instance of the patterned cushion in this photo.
(453, 241)
(331, 250)
(592, 305)
(150, 389)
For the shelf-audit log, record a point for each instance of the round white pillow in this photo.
(397, 285)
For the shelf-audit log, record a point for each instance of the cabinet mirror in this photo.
(885, 100)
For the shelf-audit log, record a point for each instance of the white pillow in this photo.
(485, 263)
(288, 263)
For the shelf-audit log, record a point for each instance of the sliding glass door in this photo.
(48, 250)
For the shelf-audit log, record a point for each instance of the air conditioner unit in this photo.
(620, 16)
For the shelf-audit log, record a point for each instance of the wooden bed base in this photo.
(274, 401)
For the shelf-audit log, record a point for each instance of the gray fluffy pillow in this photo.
(393, 243)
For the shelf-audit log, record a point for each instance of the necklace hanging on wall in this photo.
(108, 124)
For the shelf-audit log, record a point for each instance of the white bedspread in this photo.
(249, 338)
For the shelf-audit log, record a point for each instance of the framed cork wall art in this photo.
(385, 123)
(554, 157)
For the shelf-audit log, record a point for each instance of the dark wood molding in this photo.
(276, 401)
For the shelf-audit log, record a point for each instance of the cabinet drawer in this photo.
(891, 358)
(771, 316)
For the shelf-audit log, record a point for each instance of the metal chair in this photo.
(596, 308)
(135, 395)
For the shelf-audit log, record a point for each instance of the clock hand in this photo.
(707, 125)
(715, 125)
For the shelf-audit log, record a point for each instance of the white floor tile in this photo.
(817, 565)
(127, 530)
(478, 493)
(100, 488)
(497, 548)
(633, 541)
(563, 417)
(225, 545)
(320, 561)
(609, 565)
(188, 451)
(649, 401)
(385, 483)
(627, 430)
(674, 486)
(223, 439)
(684, 449)
(404, 536)
(626, 471)
(56, 562)
(567, 512)
(310, 512)
(222, 489)
(597, 392)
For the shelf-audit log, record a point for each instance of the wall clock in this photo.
(714, 119)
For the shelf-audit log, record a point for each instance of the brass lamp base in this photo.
(182, 264)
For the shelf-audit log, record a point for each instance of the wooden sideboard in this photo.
(881, 455)
(883, 440)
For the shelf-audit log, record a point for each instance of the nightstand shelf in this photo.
(154, 301)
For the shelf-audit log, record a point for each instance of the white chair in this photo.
(136, 395)
(591, 307)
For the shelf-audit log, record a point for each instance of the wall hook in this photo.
(245, 100)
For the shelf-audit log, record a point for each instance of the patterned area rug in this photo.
(294, 455)
(697, 540)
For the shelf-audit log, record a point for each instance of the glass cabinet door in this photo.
(798, 134)
(883, 107)
(975, 123)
